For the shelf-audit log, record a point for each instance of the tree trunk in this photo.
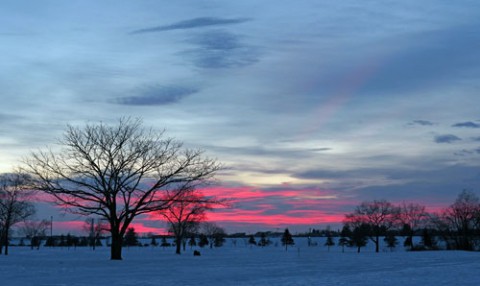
(377, 248)
(5, 238)
(116, 247)
(178, 245)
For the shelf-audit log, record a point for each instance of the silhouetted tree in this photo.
(185, 213)
(70, 240)
(216, 234)
(391, 240)
(202, 240)
(192, 242)
(461, 221)
(153, 241)
(94, 230)
(329, 241)
(407, 231)
(164, 243)
(35, 231)
(287, 239)
(251, 240)
(379, 216)
(345, 237)
(428, 242)
(15, 206)
(131, 238)
(264, 241)
(118, 173)
(359, 236)
(411, 216)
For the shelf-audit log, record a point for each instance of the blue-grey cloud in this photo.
(421, 122)
(465, 152)
(476, 138)
(157, 95)
(468, 124)
(430, 58)
(447, 138)
(192, 24)
(220, 49)
(405, 185)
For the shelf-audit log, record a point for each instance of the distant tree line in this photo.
(457, 226)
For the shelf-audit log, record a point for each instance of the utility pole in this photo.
(51, 231)
(92, 233)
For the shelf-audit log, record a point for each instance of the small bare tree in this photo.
(35, 231)
(94, 230)
(118, 173)
(185, 213)
(412, 216)
(14, 204)
(461, 221)
(215, 233)
(378, 216)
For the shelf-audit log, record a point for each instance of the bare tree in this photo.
(14, 204)
(35, 231)
(94, 230)
(185, 213)
(460, 221)
(215, 233)
(378, 216)
(412, 216)
(118, 172)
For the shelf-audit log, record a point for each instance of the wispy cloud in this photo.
(421, 122)
(192, 24)
(220, 49)
(447, 138)
(157, 95)
(467, 124)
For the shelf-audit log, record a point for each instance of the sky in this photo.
(312, 106)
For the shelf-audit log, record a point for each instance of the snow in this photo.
(238, 265)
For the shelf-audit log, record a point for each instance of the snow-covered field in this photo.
(238, 265)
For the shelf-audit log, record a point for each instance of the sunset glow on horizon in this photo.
(250, 209)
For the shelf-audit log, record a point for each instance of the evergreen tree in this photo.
(252, 240)
(153, 241)
(427, 240)
(62, 241)
(359, 236)
(130, 238)
(83, 242)
(287, 239)
(408, 242)
(264, 241)
(164, 242)
(218, 239)
(50, 241)
(329, 241)
(202, 240)
(345, 236)
(192, 241)
(98, 242)
(391, 240)
(69, 241)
